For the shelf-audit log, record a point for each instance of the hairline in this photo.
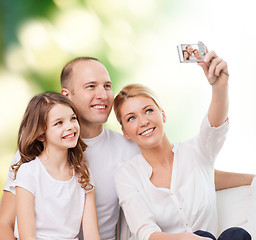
(69, 68)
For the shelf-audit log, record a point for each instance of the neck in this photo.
(55, 158)
(159, 155)
(90, 131)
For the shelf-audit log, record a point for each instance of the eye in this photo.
(149, 111)
(74, 118)
(58, 123)
(130, 119)
(91, 86)
(108, 86)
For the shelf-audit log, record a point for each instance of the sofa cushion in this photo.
(233, 206)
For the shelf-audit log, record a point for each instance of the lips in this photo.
(70, 136)
(99, 106)
(148, 131)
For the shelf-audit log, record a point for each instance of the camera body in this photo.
(191, 53)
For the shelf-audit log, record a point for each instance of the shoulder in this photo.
(134, 162)
(118, 139)
(113, 134)
(30, 167)
(136, 167)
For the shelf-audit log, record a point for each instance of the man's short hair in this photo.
(66, 73)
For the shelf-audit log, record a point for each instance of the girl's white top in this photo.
(189, 204)
(58, 204)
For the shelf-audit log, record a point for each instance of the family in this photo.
(71, 174)
(191, 54)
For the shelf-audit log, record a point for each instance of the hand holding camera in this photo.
(214, 67)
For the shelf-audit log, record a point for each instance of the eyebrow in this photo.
(96, 82)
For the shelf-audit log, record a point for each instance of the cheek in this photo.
(111, 96)
(131, 129)
(77, 126)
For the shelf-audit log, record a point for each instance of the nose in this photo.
(144, 121)
(69, 125)
(101, 93)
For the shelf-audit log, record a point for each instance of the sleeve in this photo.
(10, 178)
(137, 213)
(210, 140)
(25, 178)
(91, 182)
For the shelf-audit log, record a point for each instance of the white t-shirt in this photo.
(189, 204)
(58, 204)
(103, 153)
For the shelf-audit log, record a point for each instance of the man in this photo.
(87, 83)
(190, 50)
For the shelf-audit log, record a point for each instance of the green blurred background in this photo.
(136, 41)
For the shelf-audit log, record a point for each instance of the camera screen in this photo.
(191, 52)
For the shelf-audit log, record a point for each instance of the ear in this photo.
(41, 138)
(125, 134)
(66, 92)
(164, 116)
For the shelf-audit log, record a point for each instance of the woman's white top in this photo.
(189, 204)
(58, 204)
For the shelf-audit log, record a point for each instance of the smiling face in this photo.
(197, 54)
(142, 121)
(91, 92)
(62, 128)
(185, 55)
(189, 49)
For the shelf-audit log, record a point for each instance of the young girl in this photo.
(167, 192)
(54, 189)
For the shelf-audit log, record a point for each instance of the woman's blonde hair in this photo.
(33, 128)
(130, 91)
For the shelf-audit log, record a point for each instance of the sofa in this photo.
(235, 206)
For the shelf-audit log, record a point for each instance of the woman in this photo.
(167, 192)
(197, 54)
(185, 55)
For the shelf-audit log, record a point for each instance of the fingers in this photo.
(205, 46)
(215, 64)
(210, 56)
(215, 67)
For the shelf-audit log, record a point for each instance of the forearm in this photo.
(218, 110)
(6, 232)
(7, 216)
(92, 236)
(174, 236)
(90, 219)
(224, 180)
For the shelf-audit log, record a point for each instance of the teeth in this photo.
(99, 106)
(147, 132)
(70, 135)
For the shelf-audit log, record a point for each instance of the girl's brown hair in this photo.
(129, 91)
(33, 127)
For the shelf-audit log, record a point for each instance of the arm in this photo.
(216, 71)
(7, 216)
(25, 214)
(224, 180)
(90, 220)
(176, 236)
